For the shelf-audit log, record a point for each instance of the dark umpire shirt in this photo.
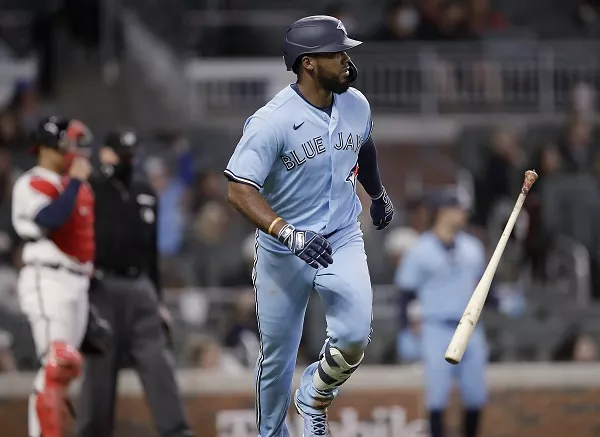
(126, 241)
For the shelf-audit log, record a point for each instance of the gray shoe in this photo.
(315, 425)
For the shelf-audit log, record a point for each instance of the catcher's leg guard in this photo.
(62, 366)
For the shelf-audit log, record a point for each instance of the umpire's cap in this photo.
(123, 141)
(317, 34)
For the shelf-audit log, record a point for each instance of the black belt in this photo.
(58, 267)
(450, 322)
(329, 235)
(124, 273)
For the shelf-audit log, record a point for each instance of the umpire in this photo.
(126, 291)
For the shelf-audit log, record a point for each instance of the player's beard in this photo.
(333, 83)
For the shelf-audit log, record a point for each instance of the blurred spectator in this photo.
(587, 13)
(216, 250)
(400, 22)
(430, 12)
(7, 176)
(577, 151)
(9, 298)
(584, 101)
(453, 23)
(485, 73)
(547, 161)
(576, 346)
(209, 185)
(194, 307)
(483, 18)
(185, 159)
(242, 276)
(205, 352)
(170, 192)
(241, 338)
(181, 153)
(498, 177)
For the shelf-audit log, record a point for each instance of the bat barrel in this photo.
(470, 317)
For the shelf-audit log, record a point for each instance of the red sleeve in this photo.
(43, 186)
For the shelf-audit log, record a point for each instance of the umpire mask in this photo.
(124, 144)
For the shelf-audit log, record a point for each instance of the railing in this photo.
(523, 76)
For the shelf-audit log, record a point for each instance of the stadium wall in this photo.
(527, 400)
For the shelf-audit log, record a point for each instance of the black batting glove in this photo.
(309, 246)
(382, 210)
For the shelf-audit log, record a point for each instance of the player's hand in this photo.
(382, 210)
(80, 169)
(309, 246)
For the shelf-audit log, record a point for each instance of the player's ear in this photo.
(308, 63)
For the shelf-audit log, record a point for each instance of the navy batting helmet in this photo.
(317, 34)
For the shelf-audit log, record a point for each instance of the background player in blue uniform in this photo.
(442, 270)
(293, 174)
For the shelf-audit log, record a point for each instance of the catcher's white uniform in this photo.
(53, 284)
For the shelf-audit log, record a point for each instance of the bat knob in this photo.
(530, 177)
(452, 360)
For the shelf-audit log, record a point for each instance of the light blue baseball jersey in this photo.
(304, 161)
(444, 279)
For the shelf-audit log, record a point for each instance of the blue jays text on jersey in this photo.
(314, 147)
(304, 161)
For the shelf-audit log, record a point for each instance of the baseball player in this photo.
(53, 212)
(293, 174)
(442, 270)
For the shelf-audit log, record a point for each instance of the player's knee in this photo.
(473, 392)
(353, 342)
(63, 364)
(437, 397)
(474, 399)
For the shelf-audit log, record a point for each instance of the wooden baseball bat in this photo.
(470, 317)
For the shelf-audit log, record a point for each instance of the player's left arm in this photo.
(382, 209)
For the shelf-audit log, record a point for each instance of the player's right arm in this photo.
(411, 274)
(38, 204)
(409, 279)
(247, 171)
(59, 208)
